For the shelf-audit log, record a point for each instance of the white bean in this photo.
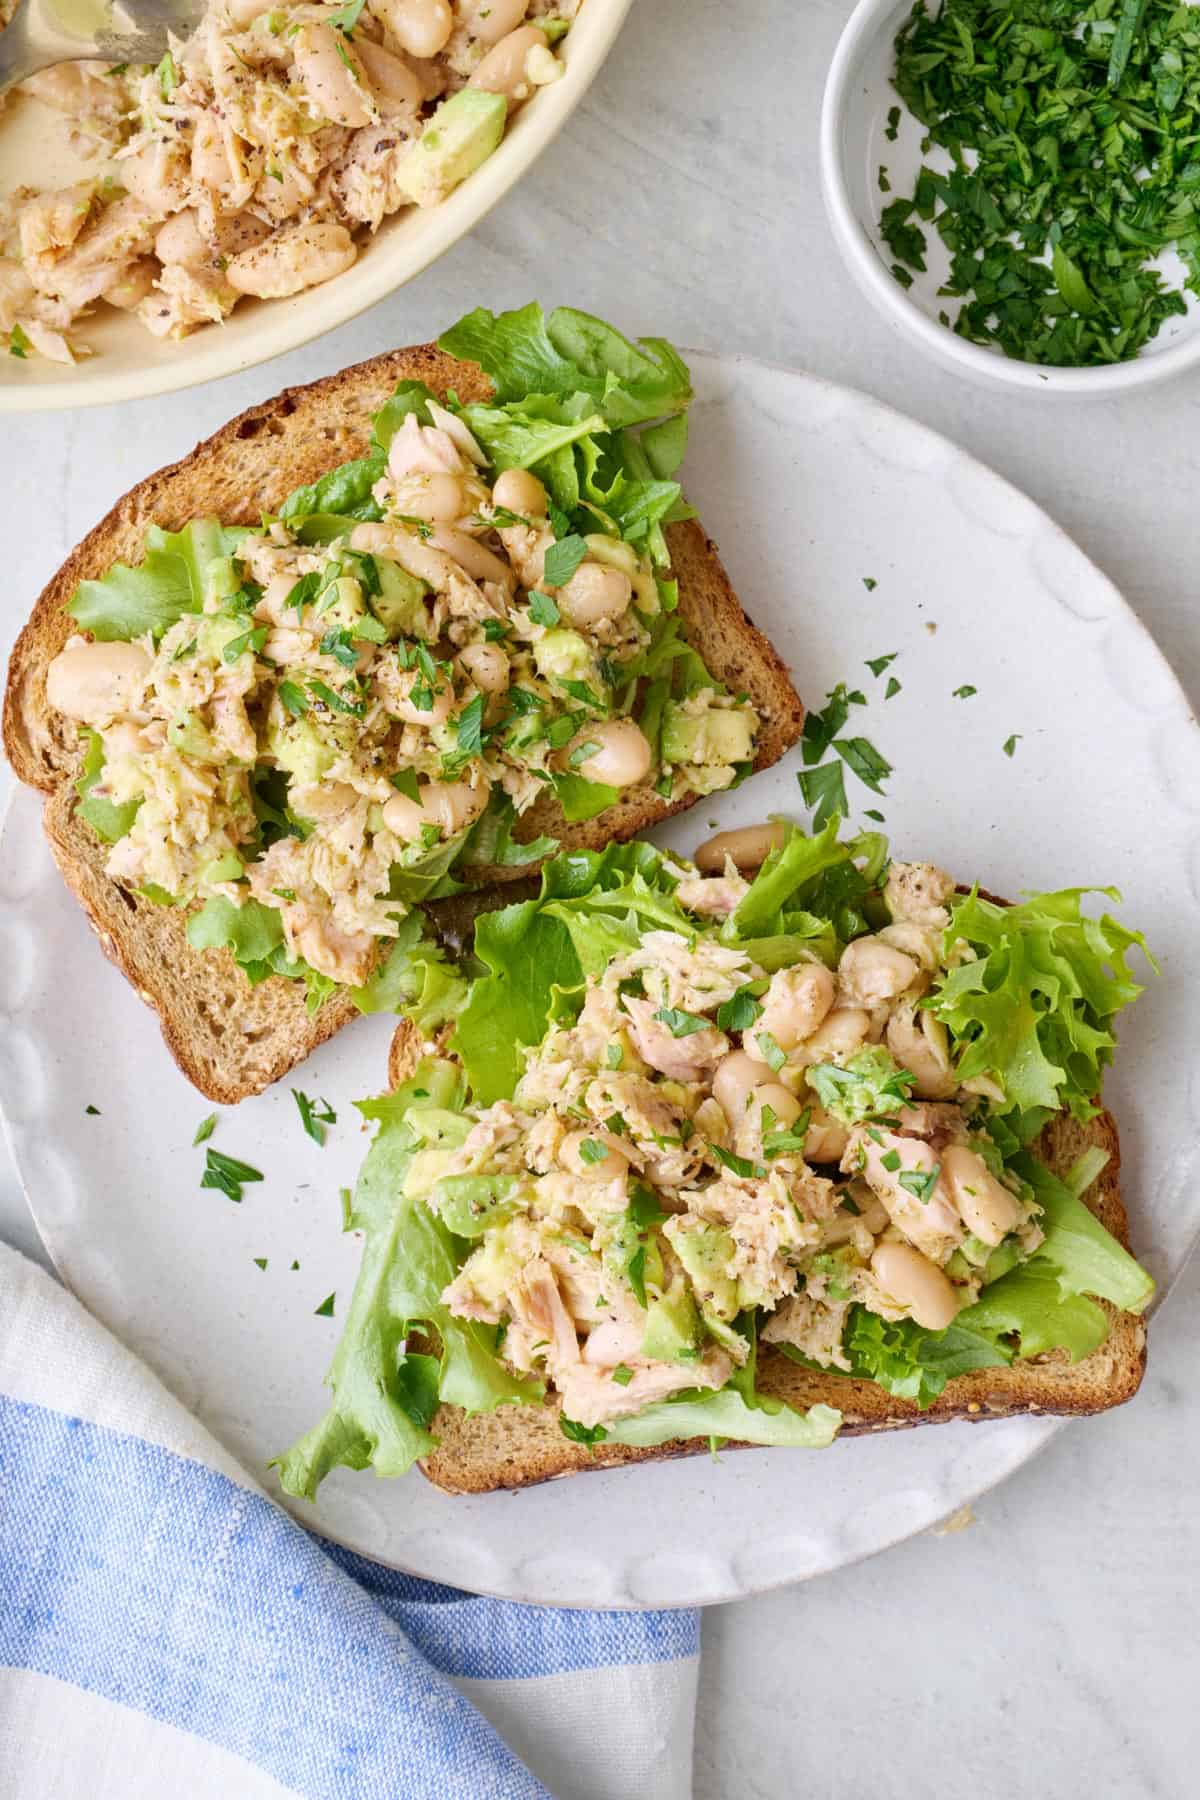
(519, 491)
(502, 70)
(159, 175)
(420, 27)
(985, 1205)
(622, 756)
(432, 497)
(486, 665)
(479, 562)
(297, 257)
(332, 75)
(737, 1077)
(451, 805)
(244, 12)
(916, 1284)
(594, 593)
(391, 79)
(748, 847)
(844, 1031)
(490, 20)
(921, 1044)
(615, 1161)
(782, 1102)
(796, 1002)
(181, 240)
(96, 682)
(827, 1137)
(440, 704)
(871, 972)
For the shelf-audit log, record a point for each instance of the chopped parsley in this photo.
(18, 343)
(921, 1182)
(205, 1129)
(470, 727)
(93, 1111)
(877, 664)
(893, 687)
(325, 1310)
(315, 1115)
(562, 559)
(622, 1375)
(737, 1165)
(260, 1262)
(227, 1174)
(542, 609)
(1010, 743)
(770, 1051)
(248, 640)
(591, 1150)
(824, 791)
(965, 692)
(739, 1012)
(1071, 132)
(405, 782)
(681, 1024)
(293, 699)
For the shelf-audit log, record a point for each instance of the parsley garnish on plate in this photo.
(1010, 743)
(94, 1111)
(325, 1310)
(1071, 137)
(227, 1174)
(315, 1115)
(205, 1129)
(965, 692)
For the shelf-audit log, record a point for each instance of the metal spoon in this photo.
(44, 32)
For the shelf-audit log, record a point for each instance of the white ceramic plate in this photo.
(809, 489)
(130, 364)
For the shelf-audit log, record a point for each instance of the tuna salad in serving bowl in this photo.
(259, 162)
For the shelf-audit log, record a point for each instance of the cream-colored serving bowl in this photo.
(130, 364)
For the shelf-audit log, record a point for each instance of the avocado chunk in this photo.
(706, 1252)
(462, 133)
(191, 737)
(299, 748)
(469, 1205)
(672, 1327)
(400, 603)
(717, 736)
(564, 655)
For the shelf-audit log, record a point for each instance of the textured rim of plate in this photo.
(1025, 1434)
(373, 277)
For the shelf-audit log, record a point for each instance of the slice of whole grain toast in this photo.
(232, 1040)
(516, 1446)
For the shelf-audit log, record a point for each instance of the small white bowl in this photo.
(854, 147)
(130, 364)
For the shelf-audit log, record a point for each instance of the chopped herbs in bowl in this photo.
(1018, 183)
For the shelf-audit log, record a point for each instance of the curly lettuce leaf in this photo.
(572, 353)
(912, 1363)
(786, 877)
(127, 602)
(1081, 1255)
(253, 934)
(535, 951)
(108, 820)
(1034, 1011)
(726, 1414)
(409, 397)
(344, 492)
(382, 1403)
(416, 980)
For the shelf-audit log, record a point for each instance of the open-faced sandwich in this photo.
(685, 1157)
(403, 630)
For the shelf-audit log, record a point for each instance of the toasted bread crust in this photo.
(247, 468)
(517, 1446)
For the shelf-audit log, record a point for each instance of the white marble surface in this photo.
(1049, 1650)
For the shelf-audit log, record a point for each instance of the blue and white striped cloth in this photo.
(166, 1630)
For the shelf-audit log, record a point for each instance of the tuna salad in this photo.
(303, 729)
(678, 1117)
(260, 156)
